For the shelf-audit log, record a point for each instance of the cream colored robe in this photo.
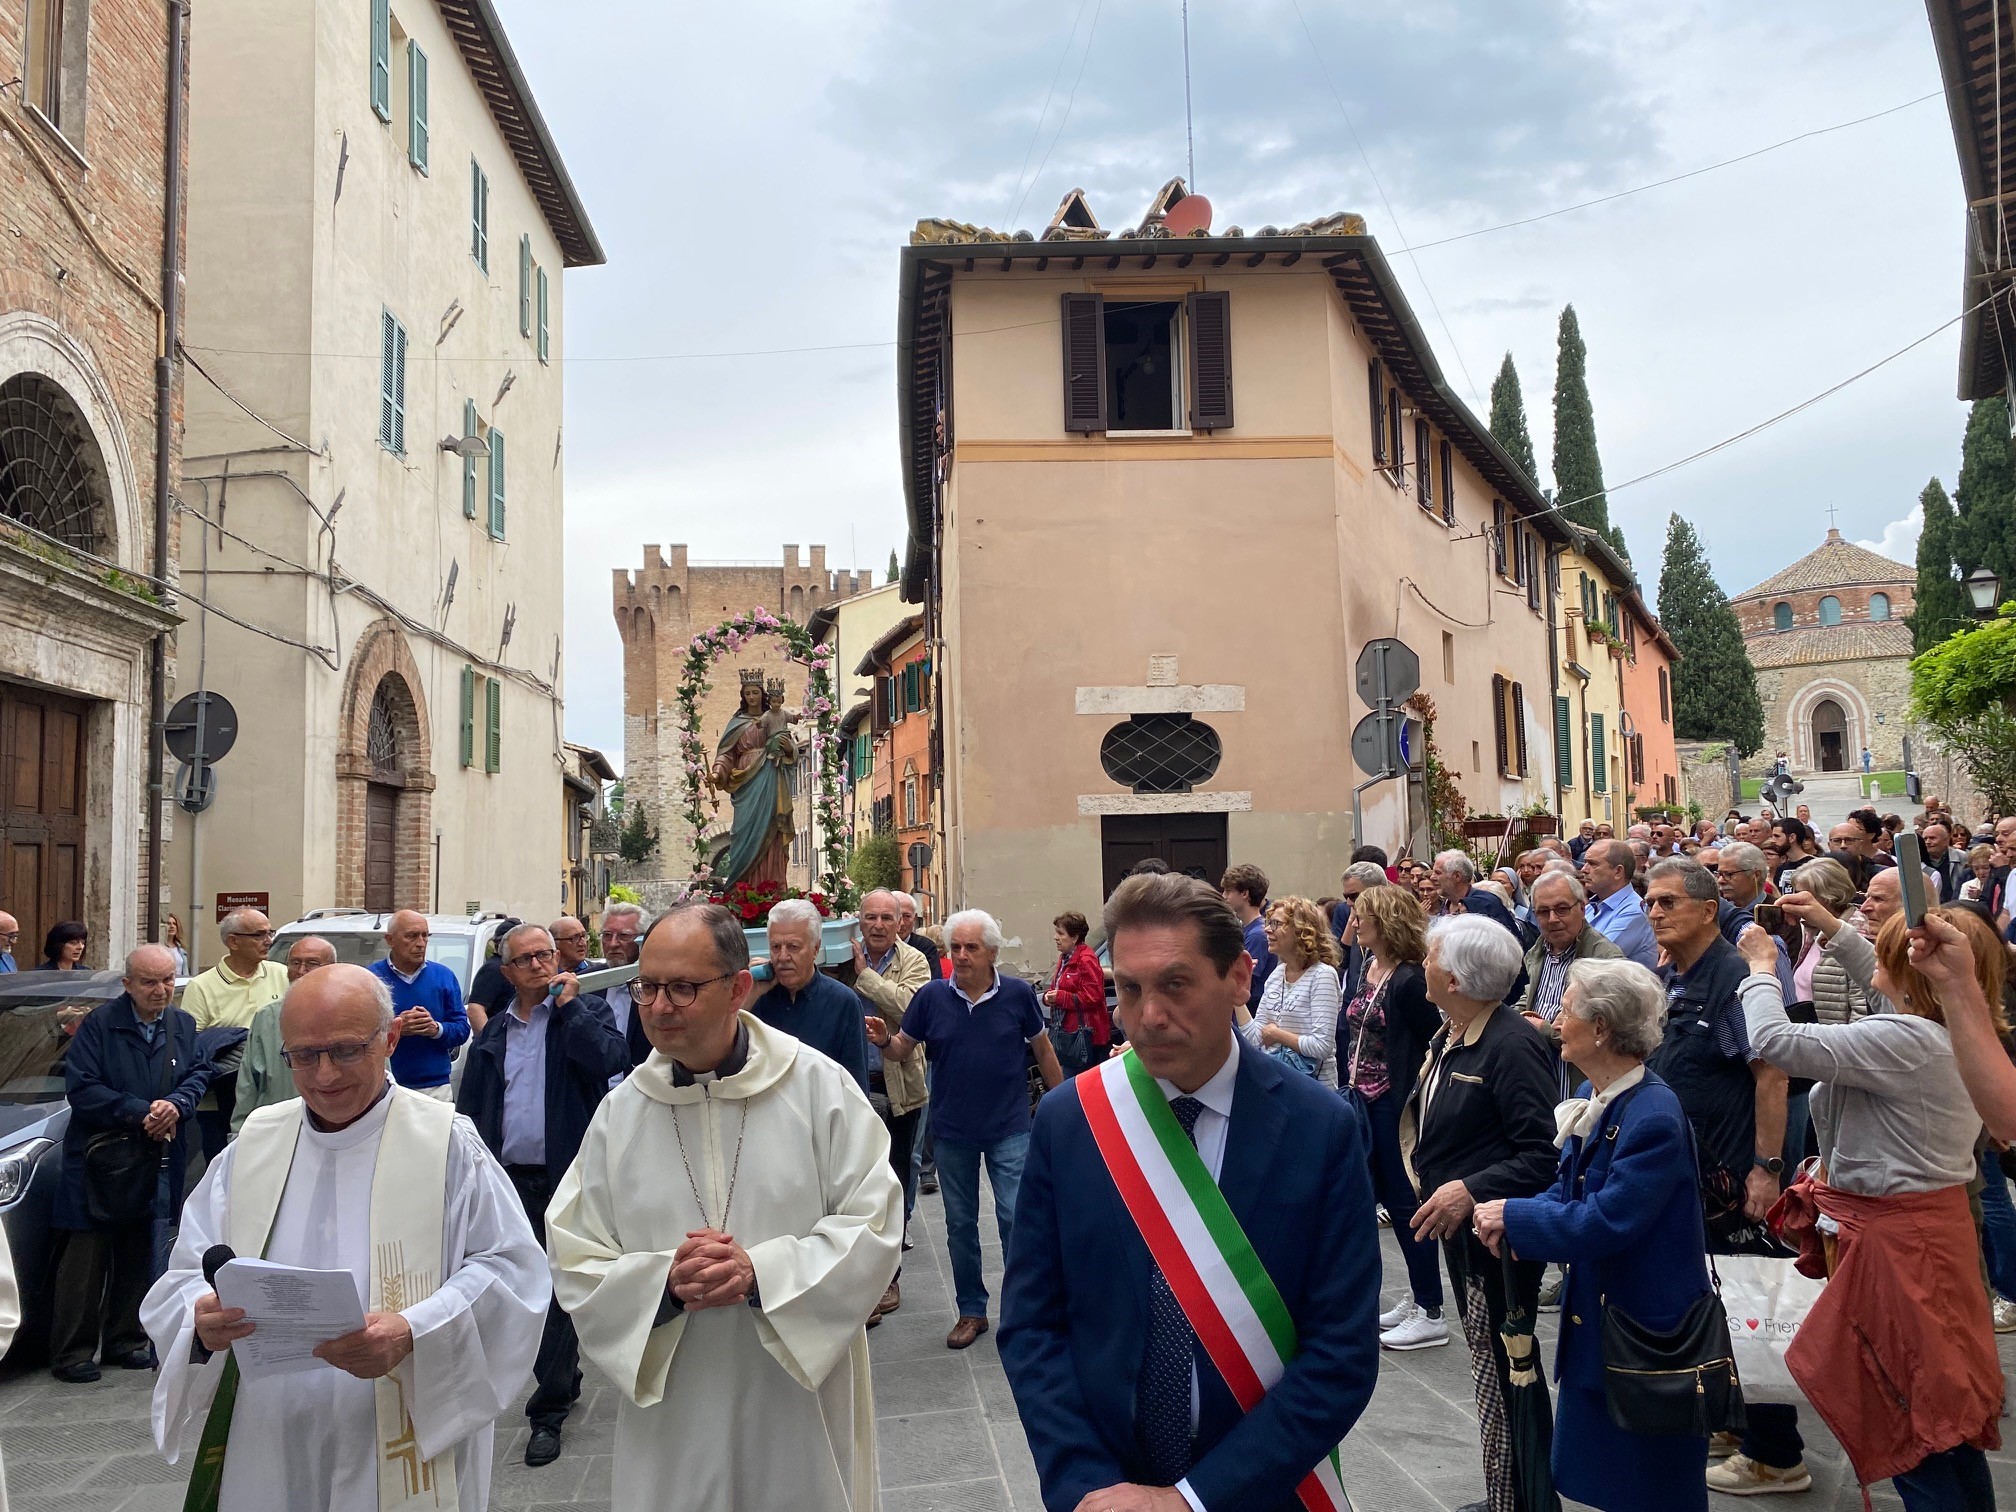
(735, 1407)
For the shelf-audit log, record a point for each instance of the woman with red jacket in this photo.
(1078, 992)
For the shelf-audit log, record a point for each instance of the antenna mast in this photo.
(1189, 134)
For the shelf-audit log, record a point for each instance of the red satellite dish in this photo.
(1190, 213)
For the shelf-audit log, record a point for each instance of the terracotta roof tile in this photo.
(1830, 643)
(1836, 564)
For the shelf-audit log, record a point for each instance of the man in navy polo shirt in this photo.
(976, 1031)
(428, 1003)
(805, 1003)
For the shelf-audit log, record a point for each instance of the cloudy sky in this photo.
(752, 169)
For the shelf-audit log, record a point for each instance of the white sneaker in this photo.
(1385, 1218)
(1417, 1331)
(1397, 1314)
(2005, 1315)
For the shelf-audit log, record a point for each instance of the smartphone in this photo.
(1911, 878)
(1769, 917)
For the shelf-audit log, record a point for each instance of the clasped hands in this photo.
(1132, 1498)
(372, 1351)
(710, 1270)
(161, 1120)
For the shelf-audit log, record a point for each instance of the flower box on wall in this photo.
(1518, 824)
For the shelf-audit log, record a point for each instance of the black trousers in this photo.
(902, 1129)
(556, 1372)
(101, 1276)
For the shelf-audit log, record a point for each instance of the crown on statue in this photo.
(775, 688)
(752, 675)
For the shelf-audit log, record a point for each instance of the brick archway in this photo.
(381, 662)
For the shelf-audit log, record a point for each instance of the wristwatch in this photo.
(1774, 1164)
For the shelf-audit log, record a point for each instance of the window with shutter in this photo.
(1375, 387)
(545, 341)
(496, 483)
(493, 725)
(1519, 726)
(1498, 535)
(1448, 484)
(525, 285)
(1637, 759)
(1564, 742)
(1084, 332)
(1396, 438)
(1599, 772)
(392, 384)
(468, 716)
(469, 428)
(1515, 552)
(381, 59)
(416, 106)
(1532, 570)
(1665, 698)
(1210, 326)
(1498, 723)
(1424, 475)
(479, 215)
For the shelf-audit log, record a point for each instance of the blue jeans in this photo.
(1998, 1226)
(1954, 1481)
(959, 1185)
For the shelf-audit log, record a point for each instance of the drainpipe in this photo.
(170, 331)
(1554, 673)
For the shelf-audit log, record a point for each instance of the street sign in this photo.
(1378, 745)
(226, 902)
(201, 727)
(1407, 745)
(195, 786)
(1388, 672)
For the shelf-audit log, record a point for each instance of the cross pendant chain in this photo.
(734, 1169)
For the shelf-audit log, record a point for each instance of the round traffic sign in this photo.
(201, 727)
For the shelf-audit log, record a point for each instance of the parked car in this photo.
(461, 942)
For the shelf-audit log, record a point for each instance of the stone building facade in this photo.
(659, 607)
(1832, 651)
(83, 179)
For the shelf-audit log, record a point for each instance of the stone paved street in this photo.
(950, 1441)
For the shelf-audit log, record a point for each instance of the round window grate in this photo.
(49, 474)
(381, 741)
(1161, 753)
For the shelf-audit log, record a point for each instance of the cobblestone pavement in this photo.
(950, 1441)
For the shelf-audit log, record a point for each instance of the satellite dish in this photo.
(1190, 213)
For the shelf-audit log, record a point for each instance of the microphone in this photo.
(214, 1259)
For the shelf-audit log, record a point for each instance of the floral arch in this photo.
(835, 891)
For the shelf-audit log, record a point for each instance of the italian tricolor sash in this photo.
(1205, 1256)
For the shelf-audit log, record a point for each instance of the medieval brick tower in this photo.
(659, 608)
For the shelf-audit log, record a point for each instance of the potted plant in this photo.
(1538, 821)
(1482, 826)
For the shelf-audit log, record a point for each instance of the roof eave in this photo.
(1976, 382)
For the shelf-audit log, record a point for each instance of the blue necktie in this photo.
(1162, 1396)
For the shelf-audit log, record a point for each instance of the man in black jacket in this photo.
(535, 1076)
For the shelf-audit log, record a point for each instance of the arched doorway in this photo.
(384, 780)
(1830, 736)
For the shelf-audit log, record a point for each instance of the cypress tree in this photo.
(893, 572)
(1578, 471)
(1714, 685)
(1508, 419)
(1985, 496)
(1942, 604)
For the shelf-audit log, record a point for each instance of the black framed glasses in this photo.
(532, 958)
(306, 1057)
(679, 994)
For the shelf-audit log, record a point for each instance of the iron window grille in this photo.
(49, 470)
(1161, 753)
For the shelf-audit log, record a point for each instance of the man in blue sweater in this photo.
(1245, 888)
(803, 1001)
(428, 1001)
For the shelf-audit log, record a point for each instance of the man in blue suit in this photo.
(1123, 1407)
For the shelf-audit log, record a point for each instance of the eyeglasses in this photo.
(253, 934)
(532, 958)
(308, 1056)
(572, 939)
(619, 934)
(679, 994)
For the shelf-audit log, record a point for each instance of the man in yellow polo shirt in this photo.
(229, 995)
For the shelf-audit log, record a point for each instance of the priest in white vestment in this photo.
(356, 1174)
(721, 1240)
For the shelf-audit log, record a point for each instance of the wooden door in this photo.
(1190, 843)
(381, 846)
(42, 804)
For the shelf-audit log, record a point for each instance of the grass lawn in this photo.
(1888, 785)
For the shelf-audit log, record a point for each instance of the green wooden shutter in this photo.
(493, 724)
(525, 285)
(1564, 743)
(479, 215)
(545, 302)
(416, 106)
(381, 58)
(468, 716)
(392, 383)
(497, 483)
(1599, 764)
(468, 463)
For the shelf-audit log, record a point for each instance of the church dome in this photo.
(1835, 563)
(1839, 602)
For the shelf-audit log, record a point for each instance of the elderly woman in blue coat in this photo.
(1624, 1215)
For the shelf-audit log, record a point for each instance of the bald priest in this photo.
(361, 1175)
(721, 1240)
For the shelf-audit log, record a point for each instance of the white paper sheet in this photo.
(294, 1310)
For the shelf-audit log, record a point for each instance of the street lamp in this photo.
(1985, 589)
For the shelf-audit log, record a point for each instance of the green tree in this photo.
(1714, 685)
(638, 839)
(1508, 419)
(1985, 496)
(877, 862)
(894, 571)
(1942, 605)
(1578, 470)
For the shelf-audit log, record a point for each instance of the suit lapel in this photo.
(1252, 1142)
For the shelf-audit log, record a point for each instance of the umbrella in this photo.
(1529, 1412)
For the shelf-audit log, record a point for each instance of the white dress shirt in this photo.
(1213, 1124)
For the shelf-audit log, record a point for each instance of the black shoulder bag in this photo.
(1679, 1381)
(122, 1167)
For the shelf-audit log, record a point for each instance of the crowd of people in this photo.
(1615, 1058)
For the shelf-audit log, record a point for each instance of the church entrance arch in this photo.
(1830, 736)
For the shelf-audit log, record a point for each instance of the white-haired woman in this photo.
(1624, 1216)
(1483, 1120)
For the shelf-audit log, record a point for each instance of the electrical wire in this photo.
(189, 357)
(1036, 135)
(1069, 100)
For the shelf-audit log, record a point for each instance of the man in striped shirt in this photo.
(1566, 936)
